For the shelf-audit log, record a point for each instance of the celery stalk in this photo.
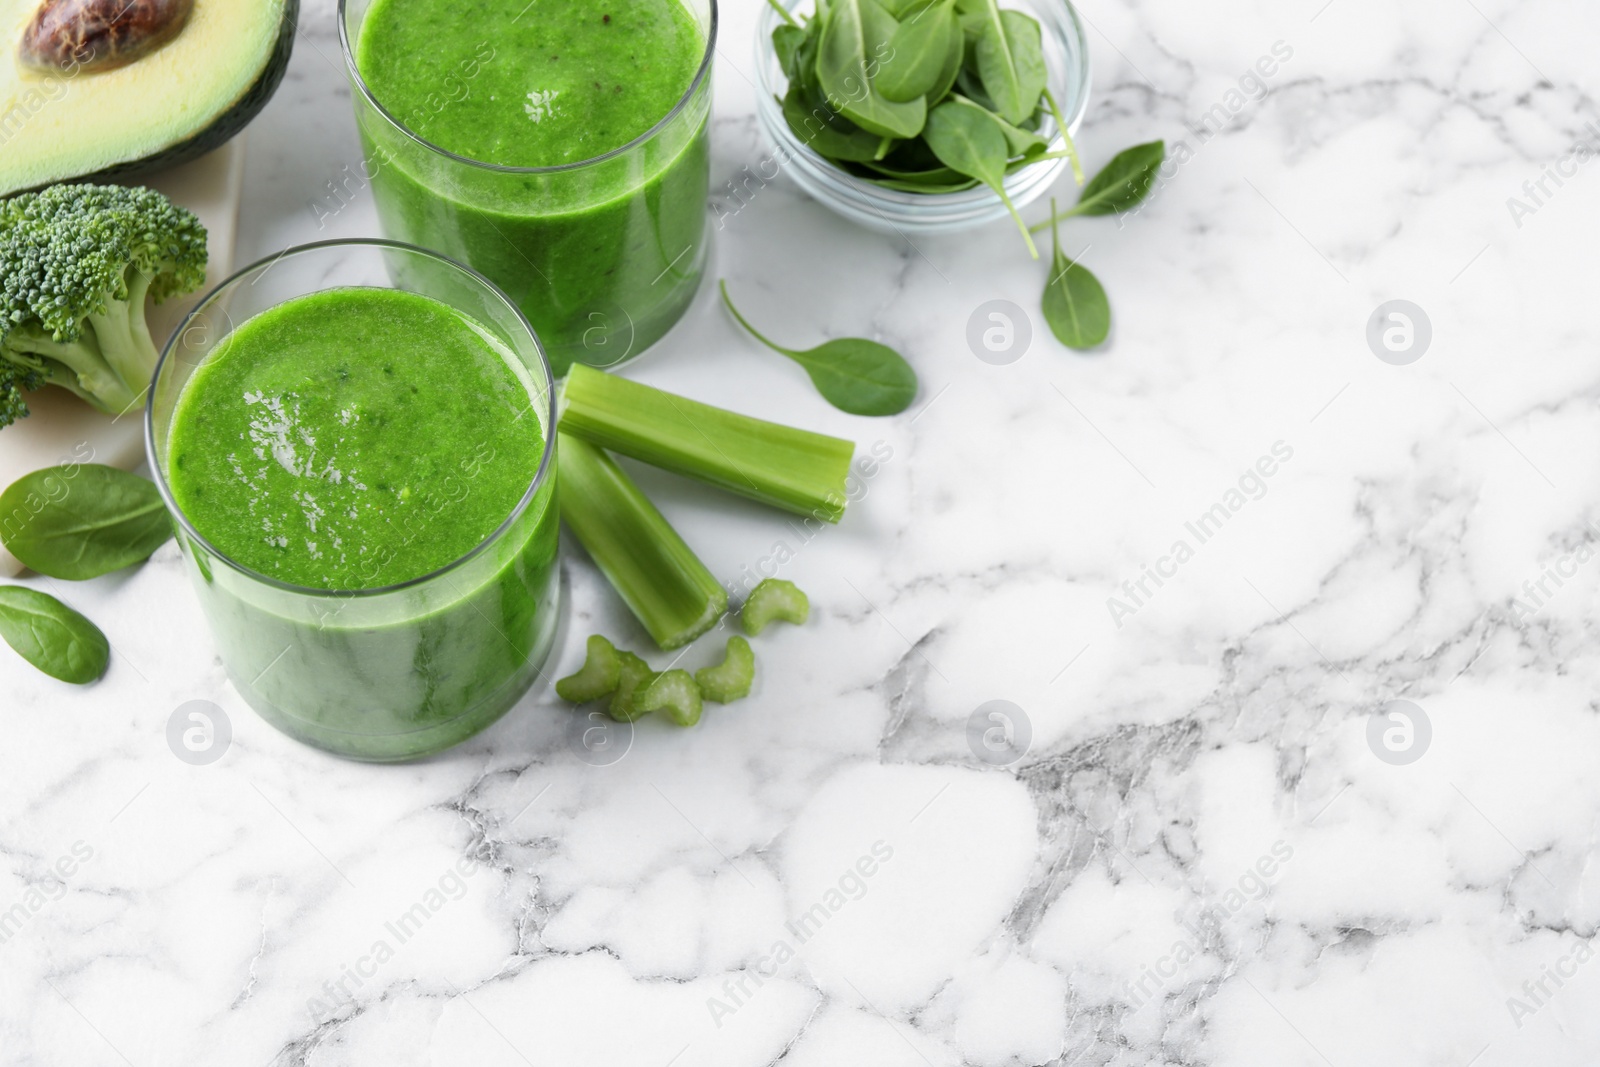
(789, 468)
(659, 577)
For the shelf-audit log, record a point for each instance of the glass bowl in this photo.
(891, 211)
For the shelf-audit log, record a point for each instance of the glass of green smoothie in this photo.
(559, 147)
(356, 442)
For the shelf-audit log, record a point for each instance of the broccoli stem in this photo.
(77, 365)
(125, 342)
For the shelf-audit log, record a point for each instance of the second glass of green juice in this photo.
(559, 147)
(356, 442)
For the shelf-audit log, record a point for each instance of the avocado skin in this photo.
(228, 124)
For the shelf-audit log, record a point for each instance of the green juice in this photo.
(361, 442)
(602, 255)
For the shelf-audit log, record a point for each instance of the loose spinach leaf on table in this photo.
(853, 374)
(966, 139)
(1074, 303)
(848, 55)
(919, 51)
(51, 636)
(84, 521)
(1121, 185)
(1123, 182)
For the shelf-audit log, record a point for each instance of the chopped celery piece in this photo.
(675, 693)
(772, 599)
(789, 468)
(729, 680)
(601, 670)
(635, 674)
(659, 577)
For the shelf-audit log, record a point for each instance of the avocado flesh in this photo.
(175, 103)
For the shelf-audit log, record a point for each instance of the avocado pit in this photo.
(98, 35)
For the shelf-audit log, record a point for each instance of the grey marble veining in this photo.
(1210, 849)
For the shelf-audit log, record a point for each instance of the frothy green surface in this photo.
(529, 84)
(353, 439)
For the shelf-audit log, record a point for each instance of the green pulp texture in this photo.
(353, 439)
(429, 426)
(529, 85)
(604, 257)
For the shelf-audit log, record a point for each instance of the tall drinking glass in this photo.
(603, 255)
(405, 670)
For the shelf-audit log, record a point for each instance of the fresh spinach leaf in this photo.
(1123, 182)
(918, 54)
(853, 374)
(956, 50)
(1074, 302)
(51, 636)
(936, 176)
(823, 130)
(854, 39)
(971, 85)
(1009, 53)
(84, 521)
(1019, 142)
(786, 43)
(965, 138)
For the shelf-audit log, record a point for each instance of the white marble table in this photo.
(1200, 858)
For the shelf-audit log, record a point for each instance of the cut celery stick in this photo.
(772, 599)
(789, 468)
(729, 680)
(659, 577)
(634, 677)
(598, 678)
(674, 694)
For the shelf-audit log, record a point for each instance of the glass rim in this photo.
(866, 194)
(354, 74)
(547, 453)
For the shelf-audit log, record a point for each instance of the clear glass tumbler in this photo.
(604, 256)
(398, 672)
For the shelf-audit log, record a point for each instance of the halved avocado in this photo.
(95, 89)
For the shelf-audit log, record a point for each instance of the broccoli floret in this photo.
(76, 263)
